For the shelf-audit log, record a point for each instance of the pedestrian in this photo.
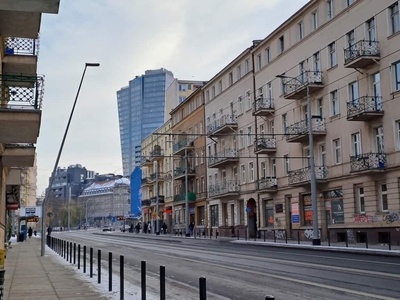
(49, 231)
(164, 227)
(30, 232)
(145, 226)
(191, 227)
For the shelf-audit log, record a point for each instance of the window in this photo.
(353, 93)
(259, 64)
(397, 134)
(356, 143)
(203, 186)
(196, 159)
(239, 72)
(269, 95)
(241, 139)
(360, 199)
(230, 78)
(189, 86)
(332, 55)
(349, 2)
(240, 103)
(306, 155)
(251, 172)
(182, 87)
(329, 8)
(247, 66)
(272, 166)
(376, 84)
(243, 173)
(334, 103)
(314, 17)
(181, 99)
(210, 179)
(351, 38)
(302, 72)
(287, 163)
(282, 85)
(263, 169)
(337, 151)
(300, 27)
(220, 87)
(379, 142)
(383, 197)
(262, 130)
(213, 92)
(269, 213)
(197, 185)
(320, 107)
(334, 207)
(394, 18)
(272, 127)
(371, 32)
(249, 137)
(208, 96)
(267, 56)
(281, 44)
(248, 100)
(284, 123)
(214, 215)
(396, 73)
(201, 127)
(317, 62)
(322, 155)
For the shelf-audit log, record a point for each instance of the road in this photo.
(238, 271)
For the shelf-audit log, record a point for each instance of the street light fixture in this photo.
(43, 223)
(316, 238)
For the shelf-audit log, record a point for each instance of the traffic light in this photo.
(120, 218)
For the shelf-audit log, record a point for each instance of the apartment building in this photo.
(230, 141)
(345, 53)
(21, 95)
(190, 166)
(157, 179)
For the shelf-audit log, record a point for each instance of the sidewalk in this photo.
(30, 276)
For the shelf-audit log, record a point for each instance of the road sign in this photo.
(113, 219)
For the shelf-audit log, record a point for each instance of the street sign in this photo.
(33, 219)
(12, 206)
(113, 219)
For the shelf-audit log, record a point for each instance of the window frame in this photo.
(337, 151)
(383, 194)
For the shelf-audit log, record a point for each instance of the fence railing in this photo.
(21, 46)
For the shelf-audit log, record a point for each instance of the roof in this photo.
(104, 187)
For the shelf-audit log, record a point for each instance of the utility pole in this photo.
(186, 194)
(157, 204)
(121, 198)
(69, 207)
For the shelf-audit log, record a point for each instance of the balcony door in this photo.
(376, 83)
(356, 144)
(379, 142)
(235, 174)
(223, 176)
(353, 93)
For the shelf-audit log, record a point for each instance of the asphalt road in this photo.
(237, 271)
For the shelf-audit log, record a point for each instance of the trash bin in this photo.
(21, 237)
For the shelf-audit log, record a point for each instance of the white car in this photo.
(126, 228)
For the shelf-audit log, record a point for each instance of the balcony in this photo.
(20, 55)
(20, 108)
(367, 162)
(153, 200)
(303, 176)
(225, 124)
(157, 155)
(263, 107)
(225, 189)
(18, 155)
(182, 145)
(265, 144)
(298, 132)
(153, 177)
(296, 88)
(146, 161)
(146, 202)
(364, 108)
(179, 173)
(223, 158)
(182, 197)
(268, 184)
(362, 54)
(31, 6)
(146, 181)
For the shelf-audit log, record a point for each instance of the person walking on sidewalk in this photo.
(30, 232)
(49, 231)
(191, 227)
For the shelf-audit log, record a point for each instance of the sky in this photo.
(193, 39)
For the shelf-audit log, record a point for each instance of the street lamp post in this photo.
(157, 202)
(186, 195)
(43, 222)
(316, 238)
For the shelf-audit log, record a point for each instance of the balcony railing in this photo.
(363, 107)
(188, 142)
(267, 183)
(21, 46)
(304, 175)
(153, 200)
(146, 180)
(301, 128)
(367, 162)
(263, 105)
(220, 189)
(294, 85)
(223, 156)
(182, 171)
(156, 153)
(21, 91)
(146, 202)
(145, 160)
(227, 120)
(265, 143)
(153, 176)
(361, 49)
(182, 197)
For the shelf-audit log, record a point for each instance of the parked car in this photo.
(107, 228)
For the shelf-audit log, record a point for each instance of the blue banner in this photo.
(136, 192)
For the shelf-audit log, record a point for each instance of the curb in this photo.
(140, 237)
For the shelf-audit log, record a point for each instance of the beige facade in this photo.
(28, 187)
(190, 165)
(20, 99)
(348, 58)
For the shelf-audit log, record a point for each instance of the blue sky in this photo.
(193, 39)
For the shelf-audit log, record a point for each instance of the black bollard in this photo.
(143, 279)
(298, 237)
(269, 297)
(121, 278)
(67, 251)
(109, 271)
(79, 256)
(390, 242)
(203, 290)
(366, 240)
(84, 259)
(70, 252)
(98, 266)
(91, 262)
(162, 282)
(74, 253)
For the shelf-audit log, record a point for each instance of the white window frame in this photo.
(243, 173)
(379, 139)
(360, 198)
(329, 9)
(263, 169)
(247, 66)
(337, 151)
(397, 134)
(371, 30)
(241, 139)
(332, 54)
(284, 123)
(334, 103)
(259, 62)
(306, 157)
(249, 136)
(286, 161)
(272, 167)
(251, 171)
(239, 72)
(248, 100)
(320, 107)
(356, 144)
(240, 104)
(396, 76)
(300, 30)
(393, 18)
(383, 193)
(322, 154)
(314, 20)
(267, 55)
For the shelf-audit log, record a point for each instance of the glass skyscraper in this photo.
(141, 109)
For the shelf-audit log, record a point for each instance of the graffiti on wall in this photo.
(279, 234)
(391, 217)
(309, 234)
(350, 235)
(365, 219)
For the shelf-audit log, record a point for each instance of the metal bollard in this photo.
(329, 238)
(274, 236)
(162, 282)
(70, 252)
(91, 262)
(347, 241)
(203, 290)
(110, 271)
(269, 297)
(79, 256)
(143, 279)
(67, 251)
(390, 241)
(298, 237)
(285, 236)
(84, 259)
(366, 240)
(74, 253)
(121, 276)
(98, 266)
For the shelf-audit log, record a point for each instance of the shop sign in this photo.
(295, 210)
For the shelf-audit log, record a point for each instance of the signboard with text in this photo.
(295, 210)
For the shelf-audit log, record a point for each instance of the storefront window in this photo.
(200, 215)
(214, 215)
(307, 210)
(269, 213)
(334, 207)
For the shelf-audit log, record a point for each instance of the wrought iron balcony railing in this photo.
(146, 202)
(226, 155)
(265, 142)
(182, 197)
(363, 105)
(153, 176)
(21, 91)
(188, 142)
(301, 128)
(227, 187)
(156, 153)
(263, 103)
(182, 171)
(304, 175)
(221, 122)
(153, 200)
(301, 81)
(367, 161)
(267, 183)
(360, 49)
(21, 46)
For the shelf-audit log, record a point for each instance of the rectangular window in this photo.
(396, 76)
(320, 107)
(220, 87)
(230, 79)
(322, 155)
(259, 63)
(360, 198)
(213, 92)
(272, 127)
(269, 95)
(317, 62)
(300, 28)
(201, 127)
(267, 55)
(314, 17)
(214, 215)
(243, 173)
(239, 72)
(248, 100)
(240, 103)
(247, 66)
(353, 92)
(249, 137)
(329, 8)
(281, 44)
(379, 142)
(394, 18)
(182, 87)
(284, 123)
(272, 166)
(335, 110)
(371, 32)
(397, 134)
(306, 159)
(282, 85)
(332, 54)
(263, 170)
(349, 2)
(287, 164)
(351, 39)
(208, 96)
(337, 151)
(307, 210)
(202, 157)
(203, 186)
(383, 197)
(241, 139)
(334, 207)
(269, 213)
(251, 172)
(356, 144)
